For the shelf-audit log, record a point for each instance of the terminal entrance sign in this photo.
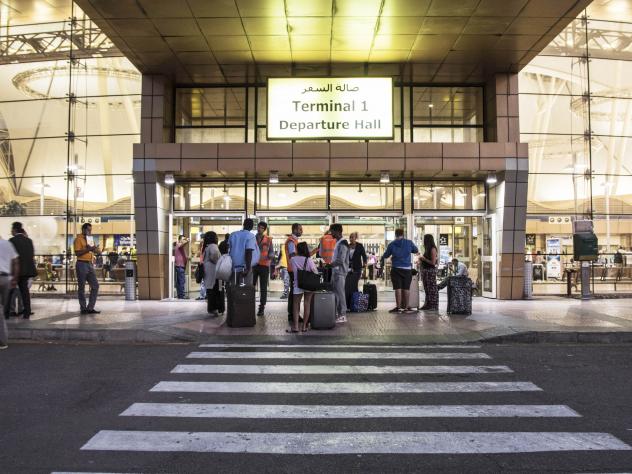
(330, 108)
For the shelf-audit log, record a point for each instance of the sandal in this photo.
(291, 331)
(304, 329)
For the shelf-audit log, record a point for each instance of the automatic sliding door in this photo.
(193, 227)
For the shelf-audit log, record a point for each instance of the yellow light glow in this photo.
(330, 108)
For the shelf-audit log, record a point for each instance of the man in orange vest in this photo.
(261, 271)
(325, 251)
(290, 251)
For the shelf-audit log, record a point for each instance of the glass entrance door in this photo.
(487, 274)
(193, 228)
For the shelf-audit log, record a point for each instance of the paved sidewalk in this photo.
(539, 320)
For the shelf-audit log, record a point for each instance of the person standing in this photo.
(400, 250)
(357, 261)
(242, 246)
(340, 268)
(371, 261)
(223, 245)
(181, 259)
(290, 251)
(429, 273)
(84, 250)
(325, 251)
(214, 293)
(24, 247)
(301, 261)
(282, 270)
(261, 271)
(9, 271)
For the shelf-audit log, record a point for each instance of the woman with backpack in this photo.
(214, 294)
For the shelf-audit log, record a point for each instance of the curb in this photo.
(164, 336)
(562, 337)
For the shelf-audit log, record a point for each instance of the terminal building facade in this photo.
(484, 123)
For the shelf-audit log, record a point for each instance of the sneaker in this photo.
(93, 311)
(260, 312)
(341, 319)
(394, 310)
(84, 311)
(4, 346)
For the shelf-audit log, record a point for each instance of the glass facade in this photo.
(576, 115)
(69, 115)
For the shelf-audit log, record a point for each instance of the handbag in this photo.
(199, 273)
(308, 281)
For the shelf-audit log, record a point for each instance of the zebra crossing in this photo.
(357, 383)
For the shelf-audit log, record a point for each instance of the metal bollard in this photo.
(130, 281)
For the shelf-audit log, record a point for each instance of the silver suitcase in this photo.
(413, 294)
(323, 310)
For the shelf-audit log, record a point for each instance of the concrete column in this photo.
(151, 196)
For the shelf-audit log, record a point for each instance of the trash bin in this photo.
(130, 281)
(528, 280)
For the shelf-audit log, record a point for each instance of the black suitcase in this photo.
(371, 290)
(323, 310)
(240, 306)
(459, 295)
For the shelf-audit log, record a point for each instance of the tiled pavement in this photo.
(554, 319)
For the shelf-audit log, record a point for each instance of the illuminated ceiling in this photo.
(217, 41)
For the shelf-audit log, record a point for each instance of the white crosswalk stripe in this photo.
(201, 410)
(340, 369)
(353, 442)
(337, 355)
(345, 387)
(347, 346)
(366, 398)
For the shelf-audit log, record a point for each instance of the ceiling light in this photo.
(430, 106)
(491, 178)
(384, 177)
(169, 180)
(274, 177)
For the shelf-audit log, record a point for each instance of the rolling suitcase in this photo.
(371, 290)
(359, 302)
(459, 295)
(240, 306)
(413, 293)
(323, 310)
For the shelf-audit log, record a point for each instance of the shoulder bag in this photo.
(308, 281)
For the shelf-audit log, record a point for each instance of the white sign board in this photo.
(330, 108)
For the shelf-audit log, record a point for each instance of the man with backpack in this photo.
(340, 268)
(262, 269)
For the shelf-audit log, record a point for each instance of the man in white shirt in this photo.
(459, 269)
(9, 271)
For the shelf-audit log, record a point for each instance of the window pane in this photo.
(302, 196)
(373, 196)
(447, 135)
(447, 105)
(211, 106)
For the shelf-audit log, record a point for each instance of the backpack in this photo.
(224, 268)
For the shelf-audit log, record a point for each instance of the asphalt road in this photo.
(56, 398)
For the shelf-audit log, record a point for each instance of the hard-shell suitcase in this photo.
(459, 295)
(413, 293)
(323, 310)
(240, 306)
(371, 290)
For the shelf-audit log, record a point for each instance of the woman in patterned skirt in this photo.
(429, 273)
